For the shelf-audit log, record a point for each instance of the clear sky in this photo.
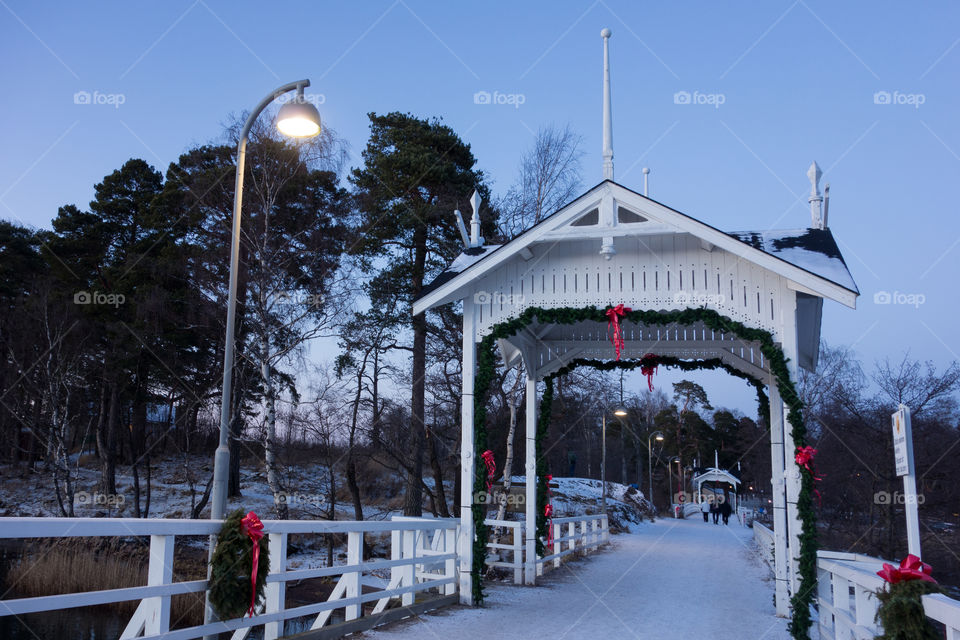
(868, 89)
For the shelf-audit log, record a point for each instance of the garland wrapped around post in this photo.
(486, 364)
(237, 574)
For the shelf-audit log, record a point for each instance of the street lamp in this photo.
(670, 479)
(300, 119)
(658, 436)
(620, 412)
(297, 118)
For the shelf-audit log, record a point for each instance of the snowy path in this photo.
(671, 579)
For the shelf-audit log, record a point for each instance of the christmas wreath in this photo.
(239, 567)
(901, 608)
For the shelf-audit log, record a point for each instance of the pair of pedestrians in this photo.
(718, 511)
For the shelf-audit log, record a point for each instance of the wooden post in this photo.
(408, 572)
(530, 564)
(450, 566)
(781, 570)
(467, 460)
(557, 547)
(788, 336)
(572, 533)
(517, 554)
(353, 581)
(276, 592)
(159, 571)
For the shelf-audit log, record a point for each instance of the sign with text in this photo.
(901, 435)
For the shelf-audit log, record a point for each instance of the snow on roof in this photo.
(462, 262)
(812, 250)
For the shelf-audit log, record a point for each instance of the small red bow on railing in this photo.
(491, 467)
(548, 512)
(251, 526)
(911, 568)
(614, 316)
(648, 367)
(549, 480)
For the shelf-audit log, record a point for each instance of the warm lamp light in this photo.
(298, 119)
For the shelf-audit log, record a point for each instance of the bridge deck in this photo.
(670, 579)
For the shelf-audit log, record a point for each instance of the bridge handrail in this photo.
(843, 617)
(423, 557)
(584, 534)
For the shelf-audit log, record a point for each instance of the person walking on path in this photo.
(705, 509)
(715, 511)
(725, 511)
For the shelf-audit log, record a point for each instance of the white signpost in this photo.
(903, 458)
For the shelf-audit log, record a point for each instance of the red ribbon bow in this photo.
(614, 316)
(804, 457)
(548, 512)
(648, 367)
(251, 526)
(911, 568)
(491, 467)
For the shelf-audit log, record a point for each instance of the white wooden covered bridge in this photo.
(613, 246)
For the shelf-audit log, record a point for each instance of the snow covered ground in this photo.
(669, 579)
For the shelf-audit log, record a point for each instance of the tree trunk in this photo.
(441, 495)
(108, 452)
(270, 443)
(413, 498)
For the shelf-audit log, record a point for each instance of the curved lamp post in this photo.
(658, 436)
(299, 119)
(620, 412)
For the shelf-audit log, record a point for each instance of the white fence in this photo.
(846, 582)
(570, 535)
(423, 557)
(764, 539)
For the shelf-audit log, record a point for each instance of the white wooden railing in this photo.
(423, 557)
(570, 535)
(765, 542)
(846, 582)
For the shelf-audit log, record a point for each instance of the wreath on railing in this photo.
(901, 607)
(239, 567)
(486, 368)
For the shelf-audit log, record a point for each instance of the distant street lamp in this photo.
(299, 119)
(658, 436)
(620, 412)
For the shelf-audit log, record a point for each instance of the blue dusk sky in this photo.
(727, 103)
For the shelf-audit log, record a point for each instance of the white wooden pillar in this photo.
(467, 460)
(781, 564)
(788, 301)
(530, 468)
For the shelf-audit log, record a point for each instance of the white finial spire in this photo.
(815, 199)
(607, 112)
(475, 239)
(646, 181)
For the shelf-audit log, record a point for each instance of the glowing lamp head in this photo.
(620, 412)
(298, 119)
(658, 437)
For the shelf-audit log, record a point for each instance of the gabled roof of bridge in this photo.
(809, 257)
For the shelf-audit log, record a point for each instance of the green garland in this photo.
(486, 364)
(230, 569)
(901, 611)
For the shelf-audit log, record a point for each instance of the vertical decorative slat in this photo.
(353, 582)
(276, 592)
(159, 571)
